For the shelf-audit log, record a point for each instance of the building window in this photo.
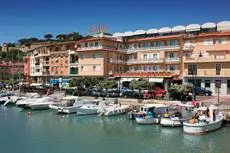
(171, 55)
(159, 44)
(86, 44)
(222, 41)
(192, 69)
(145, 68)
(156, 68)
(96, 44)
(218, 69)
(208, 42)
(97, 68)
(145, 44)
(207, 84)
(145, 56)
(84, 68)
(52, 69)
(171, 67)
(172, 43)
(155, 56)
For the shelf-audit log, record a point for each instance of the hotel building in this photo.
(192, 53)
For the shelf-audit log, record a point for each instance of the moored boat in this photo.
(204, 124)
(112, 109)
(150, 113)
(176, 115)
(88, 109)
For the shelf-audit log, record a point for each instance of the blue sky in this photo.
(27, 18)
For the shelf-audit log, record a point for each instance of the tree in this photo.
(140, 85)
(178, 91)
(48, 36)
(61, 37)
(28, 41)
(107, 84)
(74, 36)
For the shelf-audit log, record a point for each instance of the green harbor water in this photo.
(47, 132)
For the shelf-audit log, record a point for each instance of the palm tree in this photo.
(48, 36)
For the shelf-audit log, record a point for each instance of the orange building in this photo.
(192, 53)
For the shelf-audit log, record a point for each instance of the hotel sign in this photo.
(97, 29)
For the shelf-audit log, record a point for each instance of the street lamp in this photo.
(195, 77)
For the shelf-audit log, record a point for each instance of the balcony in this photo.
(177, 72)
(209, 73)
(72, 52)
(90, 48)
(144, 61)
(188, 46)
(166, 48)
(172, 60)
(73, 64)
(209, 59)
(116, 61)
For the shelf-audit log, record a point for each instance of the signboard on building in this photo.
(97, 29)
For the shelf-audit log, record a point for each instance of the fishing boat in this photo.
(204, 124)
(150, 113)
(176, 115)
(88, 109)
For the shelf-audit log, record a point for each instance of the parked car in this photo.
(98, 92)
(203, 91)
(156, 93)
(112, 93)
(131, 94)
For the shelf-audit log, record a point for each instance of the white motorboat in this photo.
(88, 109)
(30, 98)
(69, 104)
(150, 113)
(41, 104)
(11, 100)
(112, 110)
(204, 124)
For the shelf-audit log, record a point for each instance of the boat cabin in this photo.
(156, 110)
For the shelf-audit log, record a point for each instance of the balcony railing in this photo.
(211, 73)
(169, 60)
(176, 47)
(206, 59)
(116, 61)
(188, 46)
(175, 71)
(152, 60)
(74, 63)
(90, 48)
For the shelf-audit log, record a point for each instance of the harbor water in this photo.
(47, 132)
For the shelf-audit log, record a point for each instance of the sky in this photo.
(34, 18)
